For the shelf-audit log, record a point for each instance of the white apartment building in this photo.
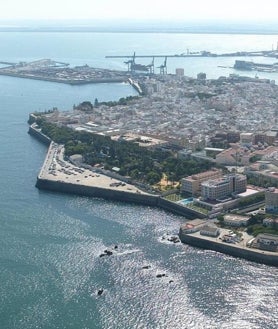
(223, 187)
(192, 184)
(271, 200)
(246, 138)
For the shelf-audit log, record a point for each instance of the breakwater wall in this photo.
(112, 194)
(39, 135)
(229, 249)
(97, 191)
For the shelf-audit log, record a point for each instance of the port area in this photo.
(49, 70)
(203, 53)
(56, 169)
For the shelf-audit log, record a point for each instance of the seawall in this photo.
(116, 195)
(97, 191)
(39, 135)
(229, 249)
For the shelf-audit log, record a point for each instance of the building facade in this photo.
(271, 200)
(236, 220)
(267, 242)
(192, 184)
(223, 187)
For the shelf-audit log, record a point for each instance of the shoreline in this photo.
(49, 70)
(80, 82)
(240, 251)
(66, 81)
(82, 181)
(59, 175)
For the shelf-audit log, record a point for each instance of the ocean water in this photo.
(50, 269)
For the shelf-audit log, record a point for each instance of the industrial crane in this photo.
(163, 67)
(132, 66)
(151, 67)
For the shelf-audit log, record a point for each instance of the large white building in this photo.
(223, 187)
(192, 184)
(246, 138)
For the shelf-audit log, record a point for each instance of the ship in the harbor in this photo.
(251, 66)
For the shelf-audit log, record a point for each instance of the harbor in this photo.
(133, 66)
(205, 53)
(61, 72)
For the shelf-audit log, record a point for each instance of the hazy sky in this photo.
(141, 9)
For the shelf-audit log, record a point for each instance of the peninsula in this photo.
(173, 133)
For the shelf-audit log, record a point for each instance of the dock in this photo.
(204, 53)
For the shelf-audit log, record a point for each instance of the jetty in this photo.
(206, 236)
(204, 53)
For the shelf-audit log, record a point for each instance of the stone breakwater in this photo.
(114, 194)
(39, 135)
(203, 242)
(96, 191)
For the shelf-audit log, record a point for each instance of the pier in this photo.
(204, 53)
(149, 68)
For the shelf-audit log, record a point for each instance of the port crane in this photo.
(151, 67)
(130, 63)
(163, 67)
(133, 67)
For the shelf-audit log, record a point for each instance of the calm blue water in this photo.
(50, 269)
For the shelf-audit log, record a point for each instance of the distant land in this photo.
(141, 26)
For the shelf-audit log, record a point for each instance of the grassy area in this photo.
(199, 209)
(177, 197)
(173, 197)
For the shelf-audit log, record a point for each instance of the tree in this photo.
(153, 177)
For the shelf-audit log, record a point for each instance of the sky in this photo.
(141, 9)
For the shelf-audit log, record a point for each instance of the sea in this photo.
(50, 243)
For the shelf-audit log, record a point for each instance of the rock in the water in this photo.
(174, 239)
(100, 292)
(146, 267)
